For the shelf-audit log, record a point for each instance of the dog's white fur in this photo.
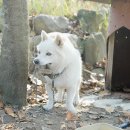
(61, 56)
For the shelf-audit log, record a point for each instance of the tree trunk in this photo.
(14, 53)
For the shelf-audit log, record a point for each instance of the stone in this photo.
(50, 23)
(91, 21)
(2, 112)
(7, 119)
(95, 48)
(98, 71)
(80, 44)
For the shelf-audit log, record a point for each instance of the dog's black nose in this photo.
(36, 61)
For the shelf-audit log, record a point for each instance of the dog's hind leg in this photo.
(77, 97)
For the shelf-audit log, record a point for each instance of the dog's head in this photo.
(49, 51)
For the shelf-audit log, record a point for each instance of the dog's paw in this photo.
(72, 109)
(47, 107)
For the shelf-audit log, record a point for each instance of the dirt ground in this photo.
(91, 109)
(33, 117)
(97, 105)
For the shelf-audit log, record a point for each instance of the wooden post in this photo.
(109, 66)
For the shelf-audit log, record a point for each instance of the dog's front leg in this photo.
(49, 90)
(70, 99)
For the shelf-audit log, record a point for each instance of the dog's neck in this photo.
(54, 76)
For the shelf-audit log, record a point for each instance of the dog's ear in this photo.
(59, 41)
(44, 35)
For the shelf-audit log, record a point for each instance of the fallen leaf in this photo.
(127, 114)
(95, 117)
(40, 89)
(105, 93)
(57, 105)
(93, 112)
(32, 100)
(9, 111)
(121, 119)
(70, 116)
(109, 109)
(9, 127)
(21, 114)
(63, 126)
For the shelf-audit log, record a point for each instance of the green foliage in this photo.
(61, 7)
(93, 21)
(1, 1)
(66, 8)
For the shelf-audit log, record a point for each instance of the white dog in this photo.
(64, 60)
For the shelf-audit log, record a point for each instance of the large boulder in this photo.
(91, 21)
(50, 23)
(94, 48)
(80, 44)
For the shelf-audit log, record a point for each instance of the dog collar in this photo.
(54, 76)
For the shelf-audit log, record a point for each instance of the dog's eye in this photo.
(48, 54)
